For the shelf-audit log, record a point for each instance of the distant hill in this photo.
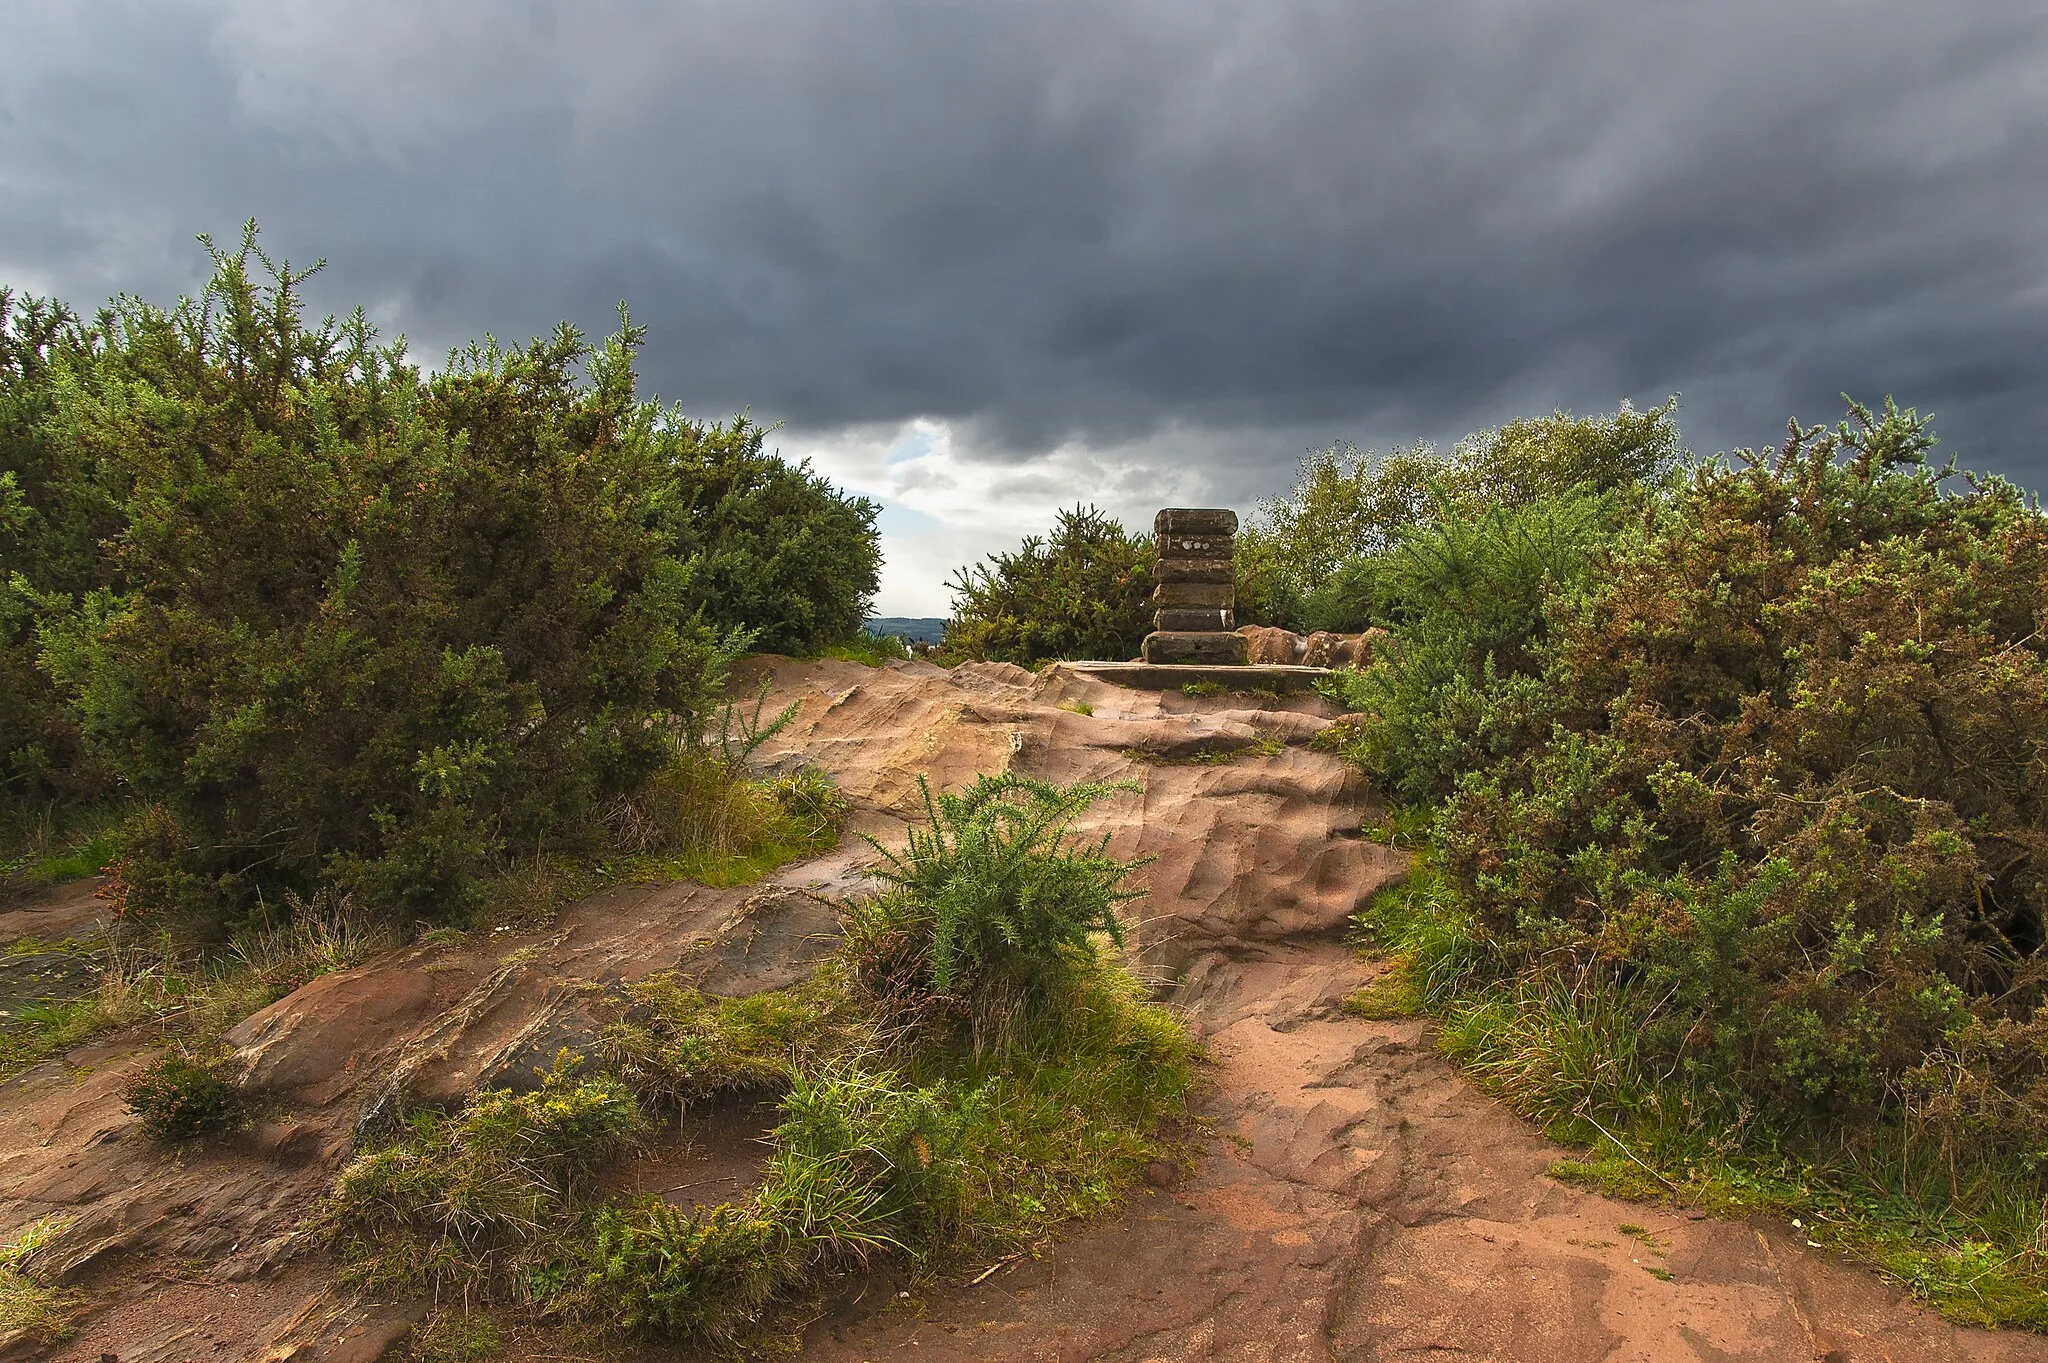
(917, 630)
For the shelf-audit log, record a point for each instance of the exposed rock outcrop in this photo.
(1365, 1204)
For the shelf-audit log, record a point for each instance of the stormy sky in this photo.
(983, 258)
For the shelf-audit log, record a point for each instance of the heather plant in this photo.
(179, 1097)
(1084, 590)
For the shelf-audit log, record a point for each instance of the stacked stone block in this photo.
(1195, 588)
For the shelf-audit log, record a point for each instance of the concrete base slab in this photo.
(1280, 678)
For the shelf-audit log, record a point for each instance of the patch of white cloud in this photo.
(949, 500)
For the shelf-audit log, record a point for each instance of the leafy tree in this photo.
(1083, 591)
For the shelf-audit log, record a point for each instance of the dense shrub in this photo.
(1310, 559)
(178, 1097)
(1467, 592)
(777, 549)
(1735, 869)
(53, 512)
(1789, 780)
(356, 622)
(1082, 591)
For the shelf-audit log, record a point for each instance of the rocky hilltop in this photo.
(1358, 1201)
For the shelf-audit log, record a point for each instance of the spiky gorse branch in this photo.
(998, 896)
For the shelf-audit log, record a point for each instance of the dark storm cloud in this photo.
(1052, 221)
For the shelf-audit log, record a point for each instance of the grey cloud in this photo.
(1050, 220)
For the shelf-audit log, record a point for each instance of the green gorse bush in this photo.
(335, 619)
(993, 905)
(1083, 590)
(1735, 846)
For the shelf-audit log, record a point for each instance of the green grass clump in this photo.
(868, 650)
(947, 1158)
(1396, 993)
(480, 1202)
(195, 998)
(456, 1337)
(966, 1072)
(754, 827)
(679, 1045)
(59, 843)
(1264, 745)
(705, 816)
(29, 1307)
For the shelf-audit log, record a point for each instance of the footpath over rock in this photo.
(1361, 1201)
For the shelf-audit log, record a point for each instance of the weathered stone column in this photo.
(1195, 588)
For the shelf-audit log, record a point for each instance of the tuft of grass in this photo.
(762, 826)
(1394, 994)
(1263, 695)
(1404, 826)
(478, 1204)
(679, 1045)
(58, 843)
(938, 1156)
(29, 1307)
(1077, 707)
(699, 820)
(868, 650)
(706, 820)
(1265, 745)
(946, 1160)
(456, 1336)
(195, 1000)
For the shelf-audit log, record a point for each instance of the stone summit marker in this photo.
(1195, 589)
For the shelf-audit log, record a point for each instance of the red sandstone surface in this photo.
(1360, 1200)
